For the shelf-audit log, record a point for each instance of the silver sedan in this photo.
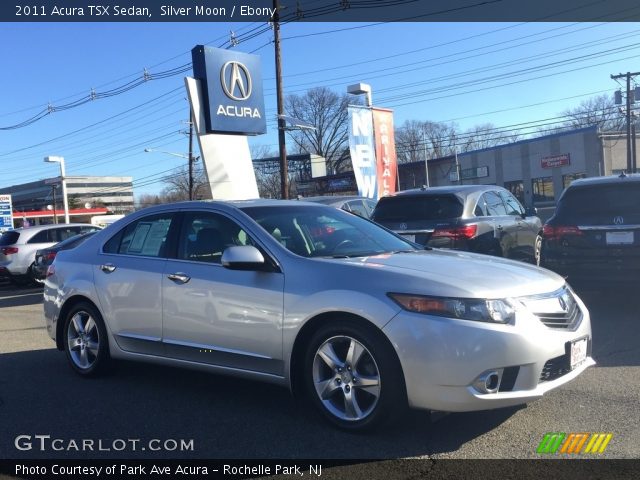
(341, 311)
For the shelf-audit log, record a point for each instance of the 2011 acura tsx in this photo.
(360, 321)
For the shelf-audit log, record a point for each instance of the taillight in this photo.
(557, 231)
(9, 250)
(465, 231)
(49, 256)
(51, 270)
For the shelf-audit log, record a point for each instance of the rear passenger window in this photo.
(145, 237)
(45, 236)
(494, 204)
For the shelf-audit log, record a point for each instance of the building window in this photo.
(517, 189)
(570, 177)
(542, 189)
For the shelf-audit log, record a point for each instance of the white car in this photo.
(328, 304)
(18, 247)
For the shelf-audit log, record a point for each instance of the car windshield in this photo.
(9, 238)
(601, 199)
(326, 232)
(417, 208)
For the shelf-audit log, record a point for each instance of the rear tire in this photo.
(352, 376)
(85, 340)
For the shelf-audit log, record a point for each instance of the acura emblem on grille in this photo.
(618, 220)
(563, 304)
(403, 226)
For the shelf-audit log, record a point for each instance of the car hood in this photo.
(448, 272)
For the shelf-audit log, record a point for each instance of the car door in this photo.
(215, 315)
(128, 280)
(527, 227)
(505, 229)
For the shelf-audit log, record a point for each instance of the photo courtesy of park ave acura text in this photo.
(320, 238)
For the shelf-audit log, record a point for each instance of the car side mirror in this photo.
(530, 212)
(244, 257)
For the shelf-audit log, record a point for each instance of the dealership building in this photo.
(536, 170)
(87, 196)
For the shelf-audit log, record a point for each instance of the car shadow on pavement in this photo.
(225, 417)
(615, 324)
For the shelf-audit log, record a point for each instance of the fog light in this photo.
(488, 382)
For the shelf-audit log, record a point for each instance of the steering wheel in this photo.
(344, 243)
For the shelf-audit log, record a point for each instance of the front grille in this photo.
(558, 309)
(555, 368)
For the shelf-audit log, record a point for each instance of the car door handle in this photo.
(179, 277)
(107, 267)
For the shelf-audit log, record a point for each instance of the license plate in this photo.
(578, 352)
(619, 238)
(411, 238)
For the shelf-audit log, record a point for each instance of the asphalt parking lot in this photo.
(235, 419)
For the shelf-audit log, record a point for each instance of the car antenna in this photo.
(622, 175)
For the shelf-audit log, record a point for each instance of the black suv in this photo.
(594, 235)
(477, 218)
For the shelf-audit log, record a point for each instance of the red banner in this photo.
(386, 160)
(556, 161)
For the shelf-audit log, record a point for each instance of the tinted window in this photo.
(74, 241)
(206, 235)
(45, 236)
(318, 232)
(418, 208)
(9, 238)
(613, 199)
(513, 207)
(146, 237)
(494, 204)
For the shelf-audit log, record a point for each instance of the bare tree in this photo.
(485, 135)
(177, 188)
(327, 112)
(599, 110)
(410, 146)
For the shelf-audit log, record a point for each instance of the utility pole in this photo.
(631, 160)
(284, 173)
(190, 153)
(53, 193)
(426, 158)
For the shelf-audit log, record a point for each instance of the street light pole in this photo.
(60, 160)
(284, 168)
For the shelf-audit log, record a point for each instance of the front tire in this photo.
(85, 340)
(352, 376)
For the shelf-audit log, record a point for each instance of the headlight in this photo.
(481, 310)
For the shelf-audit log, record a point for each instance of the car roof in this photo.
(608, 180)
(331, 199)
(460, 190)
(39, 228)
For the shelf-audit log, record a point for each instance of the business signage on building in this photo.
(6, 212)
(231, 89)
(469, 173)
(362, 149)
(556, 161)
(386, 161)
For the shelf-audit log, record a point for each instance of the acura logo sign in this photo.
(236, 80)
(618, 220)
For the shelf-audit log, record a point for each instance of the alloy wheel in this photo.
(83, 340)
(346, 378)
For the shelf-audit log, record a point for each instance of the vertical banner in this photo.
(362, 149)
(387, 167)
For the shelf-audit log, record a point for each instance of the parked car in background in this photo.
(359, 205)
(352, 317)
(45, 256)
(18, 248)
(594, 235)
(476, 218)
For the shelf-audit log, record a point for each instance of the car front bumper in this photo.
(442, 359)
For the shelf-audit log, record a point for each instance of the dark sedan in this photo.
(477, 218)
(45, 257)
